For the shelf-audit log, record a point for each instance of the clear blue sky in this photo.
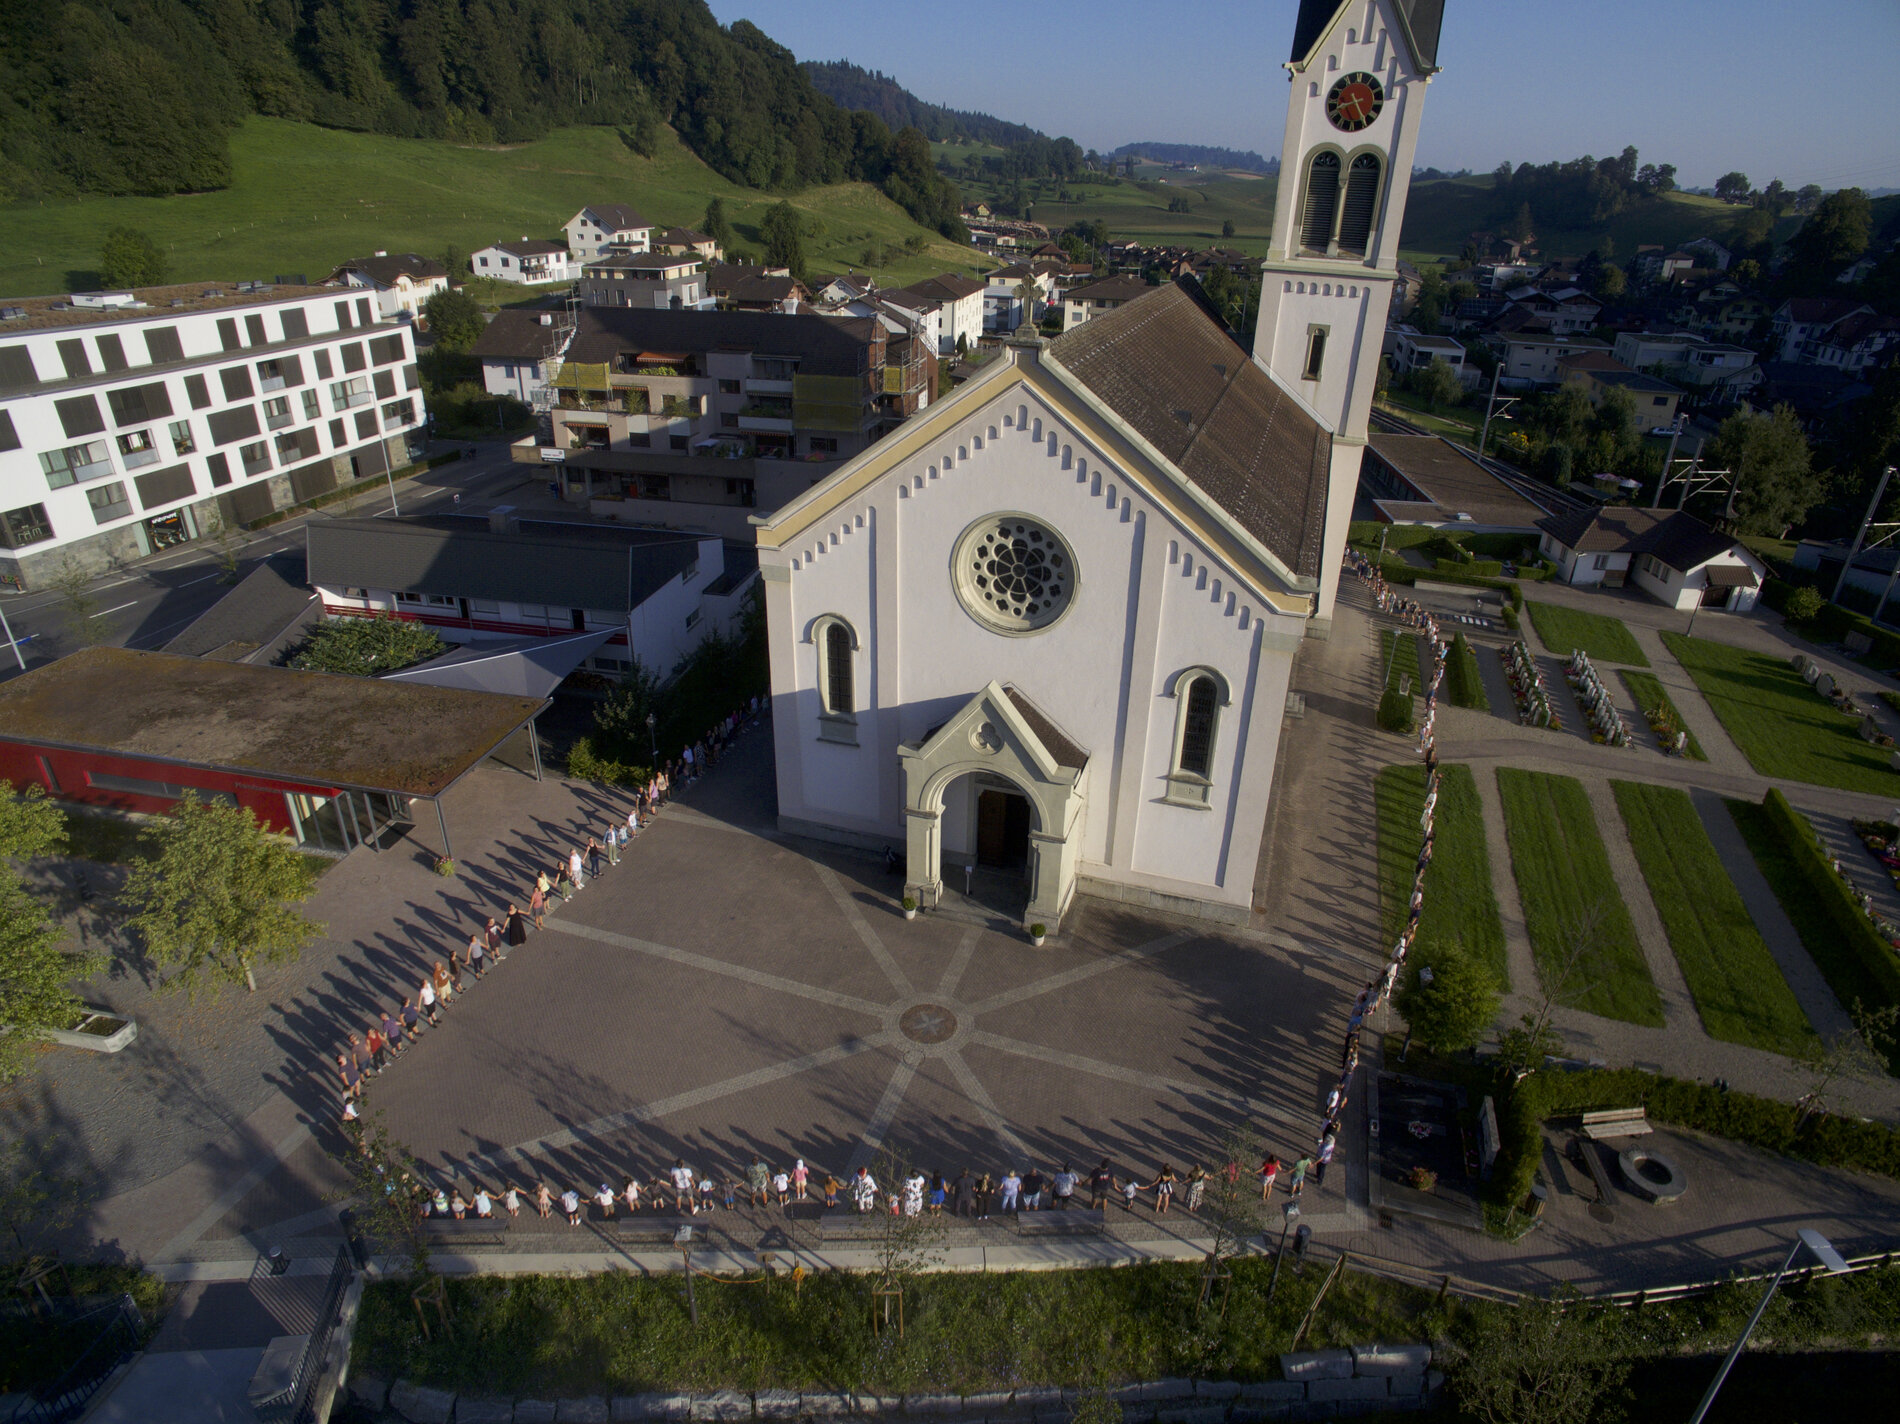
(1776, 88)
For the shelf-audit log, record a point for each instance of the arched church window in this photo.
(839, 699)
(836, 685)
(1362, 204)
(1322, 200)
(1199, 694)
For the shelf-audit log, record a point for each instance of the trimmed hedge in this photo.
(584, 764)
(1395, 711)
(1825, 1140)
(1832, 897)
(1483, 568)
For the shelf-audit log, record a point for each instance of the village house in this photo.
(606, 227)
(529, 262)
(402, 282)
(1670, 555)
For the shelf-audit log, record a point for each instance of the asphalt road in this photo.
(147, 604)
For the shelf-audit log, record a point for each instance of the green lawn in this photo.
(1453, 421)
(1460, 905)
(1845, 975)
(1649, 693)
(1402, 655)
(303, 199)
(1738, 988)
(1564, 880)
(1782, 725)
(1604, 638)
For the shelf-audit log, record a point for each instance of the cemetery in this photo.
(1528, 687)
(1606, 722)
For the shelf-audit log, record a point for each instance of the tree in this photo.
(1437, 384)
(717, 225)
(622, 718)
(72, 581)
(1807, 197)
(390, 1192)
(1834, 234)
(783, 232)
(30, 824)
(1610, 282)
(129, 258)
(1227, 228)
(1775, 198)
(1775, 486)
(1448, 997)
(1803, 604)
(1549, 1361)
(1231, 1207)
(903, 1246)
(366, 647)
(1733, 188)
(455, 319)
(456, 260)
(1520, 228)
(34, 973)
(216, 895)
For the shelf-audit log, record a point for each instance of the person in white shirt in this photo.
(682, 1185)
(605, 1198)
(782, 1187)
(484, 1204)
(864, 1190)
(571, 1204)
(914, 1195)
(1012, 1188)
(574, 870)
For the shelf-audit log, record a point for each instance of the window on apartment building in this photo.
(728, 388)
(230, 426)
(339, 434)
(320, 361)
(112, 352)
(385, 349)
(79, 415)
(182, 441)
(109, 502)
(296, 324)
(76, 464)
(824, 445)
(312, 407)
(677, 442)
(276, 374)
(197, 392)
(136, 449)
(16, 369)
(412, 377)
(134, 405)
(72, 355)
(277, 413)
(220, 468)
(401, 412)
(295, 445)
(343, 316)
(24, 526)
(366, 428)
(254, 457)
(363, 316)
(9, 437)
(385, 382)
(1601, 561)
(237, 382)
(352, 356)
(354, 392)
(254, 330)
(640, 440)
(228, 334)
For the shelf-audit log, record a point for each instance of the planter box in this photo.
(98, 1031)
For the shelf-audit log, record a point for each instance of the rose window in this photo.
(1013, 573)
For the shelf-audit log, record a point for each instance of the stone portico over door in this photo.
(998, 733)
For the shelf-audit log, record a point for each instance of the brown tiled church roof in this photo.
(1164, 364)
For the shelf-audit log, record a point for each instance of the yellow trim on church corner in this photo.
(1057, 388)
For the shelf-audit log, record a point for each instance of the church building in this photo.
(1049, 624)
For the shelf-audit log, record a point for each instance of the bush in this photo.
(366, 647)
(1856, 933)
(1517, 599)
(1802, 604)
(1395, 711)
(1457, 1006)
(1481, 568)
(584, 764)
(1510, 616)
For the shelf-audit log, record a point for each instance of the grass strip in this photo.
(622, 1333)
(1784, 727)
(1565, 883)
(1853, 977)
(1738, 987)
(1650, 694)
(1400, 658)
(1605, 639)
(1460, 905)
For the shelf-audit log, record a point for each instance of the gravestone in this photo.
(1802, 663)
(1824, 684)
(1810, 672)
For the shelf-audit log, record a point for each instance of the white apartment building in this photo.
(131, 421)
(530, 262)
(609, 227)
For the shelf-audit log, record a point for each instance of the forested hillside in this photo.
(875, 93)
(141, 96)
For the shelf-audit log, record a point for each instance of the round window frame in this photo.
(972, 602)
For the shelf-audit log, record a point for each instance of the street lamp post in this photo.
(1823, 1252)
(1292, 1210)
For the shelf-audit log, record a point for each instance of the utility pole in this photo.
(1669, 463)
(1873, 505)
(1490, 404)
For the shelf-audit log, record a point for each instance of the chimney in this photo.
(547, 318)
(502, 519)
(382, 252)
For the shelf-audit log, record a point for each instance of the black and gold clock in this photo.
(1354, 102)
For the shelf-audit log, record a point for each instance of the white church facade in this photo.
(1050, 624)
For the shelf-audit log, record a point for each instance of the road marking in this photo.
(195, 582)
(883, 1117)
(1114, 960)
(120, 609)
(985, 1106)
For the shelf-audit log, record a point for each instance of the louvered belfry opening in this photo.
(1322, 197)
(1362, 203)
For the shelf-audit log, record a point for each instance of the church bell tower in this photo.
(1359, 72)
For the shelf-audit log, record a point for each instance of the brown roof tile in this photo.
(1165, 365)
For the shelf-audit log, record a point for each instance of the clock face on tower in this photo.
(1354, 102)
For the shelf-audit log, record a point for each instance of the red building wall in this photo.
(66, 775)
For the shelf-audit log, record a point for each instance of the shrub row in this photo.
(1834, 622)
(584, 764)
(1833, 897)
(1826, 1140)
(1481, 568)
(1395, 710)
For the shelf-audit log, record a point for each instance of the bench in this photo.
(1615, 1122)
(468, 1231)
(660, 1230)
(1076, 1221)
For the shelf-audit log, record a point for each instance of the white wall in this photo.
(1149, 602)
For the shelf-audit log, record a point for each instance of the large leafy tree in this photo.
(129, 258)
(34, 969)
(218, 895)
(1775, 485)
(455, 319)
(366, 647)
(717, 225)
(30, 824)
(1550, 1361)
(1835, 233)
(783, 232)
(1448, 997)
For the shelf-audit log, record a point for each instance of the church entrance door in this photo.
(1002, 829)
